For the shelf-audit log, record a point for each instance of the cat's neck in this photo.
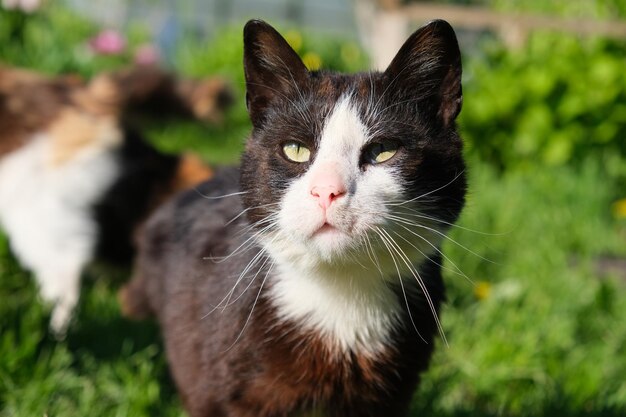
(352, 307)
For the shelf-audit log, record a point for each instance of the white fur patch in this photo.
(46, 211)
(329, 281)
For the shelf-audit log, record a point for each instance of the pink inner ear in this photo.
(327, 184)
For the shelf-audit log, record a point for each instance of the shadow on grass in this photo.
(549, 412)
(102, 333)
(108, 338)
(559, 406)
(99, 328)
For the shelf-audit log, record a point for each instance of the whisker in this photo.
(406, 299)
(420, 282)
(422, 226)
(270, 218)
(242, 275)
(457, 269)
(247, 244)
(372, 254)
(248, 209)
(430, 192)
(228, 295)
(245, 325)
(435, 219)
(209, 197)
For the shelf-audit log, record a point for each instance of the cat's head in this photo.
(341, 167)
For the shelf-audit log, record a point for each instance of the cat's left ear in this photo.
(273, 69)
(427, 69)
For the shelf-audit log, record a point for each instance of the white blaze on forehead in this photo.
(343, 135)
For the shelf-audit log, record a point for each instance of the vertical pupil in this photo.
(378, 150)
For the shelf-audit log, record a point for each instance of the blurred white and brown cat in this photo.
(76, 179)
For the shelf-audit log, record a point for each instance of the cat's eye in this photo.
(296, 152)
(379, 152)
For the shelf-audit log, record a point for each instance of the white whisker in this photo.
(422, 226)
(456, 270)
(435, 219)
(232, 290)
(430, 192)
(208, 197)
(420, 282)
(242, 275)
(422, 285)
(247, 210)
(245, 325)
(247, 244)
(406, 300)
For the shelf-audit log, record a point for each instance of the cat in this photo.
(307, 282)
(76, 180)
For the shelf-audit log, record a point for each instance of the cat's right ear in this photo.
(272, 68)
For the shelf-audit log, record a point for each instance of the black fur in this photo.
(145, 173)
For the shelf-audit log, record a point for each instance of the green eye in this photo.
(377, 153)
(296, 152)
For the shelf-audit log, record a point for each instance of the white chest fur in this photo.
(352, 311)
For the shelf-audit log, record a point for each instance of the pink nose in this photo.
(327, 185)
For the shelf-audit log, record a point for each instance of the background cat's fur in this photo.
(76, 180)
(271, 307)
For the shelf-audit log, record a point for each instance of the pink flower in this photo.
(147, 54)
(108, 42)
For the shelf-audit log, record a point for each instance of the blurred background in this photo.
(536, 272)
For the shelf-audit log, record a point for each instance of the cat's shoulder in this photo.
(204, 210)
(222, 189)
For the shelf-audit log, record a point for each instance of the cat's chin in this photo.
(331, 242)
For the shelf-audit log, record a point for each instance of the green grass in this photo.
(549, 339)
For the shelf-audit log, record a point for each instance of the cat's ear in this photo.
(427, 69)
(272, 68)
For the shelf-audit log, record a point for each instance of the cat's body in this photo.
(75, 179)
(230, 363)
(308, 283)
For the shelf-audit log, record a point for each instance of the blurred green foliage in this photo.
(54, 40)
(600, 9)
(596, 9)
(556, 100)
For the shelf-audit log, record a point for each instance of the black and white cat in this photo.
(307, 282)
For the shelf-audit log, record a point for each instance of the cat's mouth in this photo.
(326, 228)
(332, 229)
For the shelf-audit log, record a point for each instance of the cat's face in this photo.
(342, 168)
